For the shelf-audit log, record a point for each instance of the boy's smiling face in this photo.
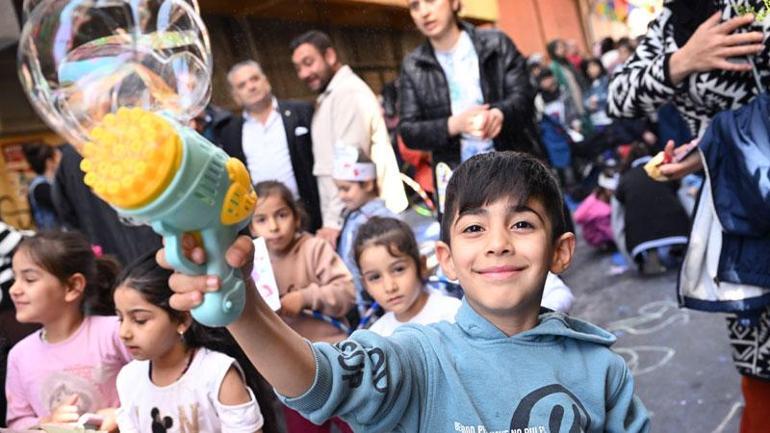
(501, 253)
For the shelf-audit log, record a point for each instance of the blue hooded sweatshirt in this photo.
(469, 377)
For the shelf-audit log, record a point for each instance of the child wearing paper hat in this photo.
(356, 178)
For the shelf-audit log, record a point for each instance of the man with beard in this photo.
(347, 113)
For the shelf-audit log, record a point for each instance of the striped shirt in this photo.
(9, 240)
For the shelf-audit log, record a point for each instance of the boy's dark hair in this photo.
(273, 187)
(320, 40)
(37, 154)
(393, 234)
(492, 176)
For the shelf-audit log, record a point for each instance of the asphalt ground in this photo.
(681, 359)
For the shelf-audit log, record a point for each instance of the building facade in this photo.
(372, 36)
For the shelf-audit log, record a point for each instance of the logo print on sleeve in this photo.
(353, 360)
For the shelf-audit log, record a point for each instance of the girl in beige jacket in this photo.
(309, 274)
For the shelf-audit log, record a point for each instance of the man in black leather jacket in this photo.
(427, 119)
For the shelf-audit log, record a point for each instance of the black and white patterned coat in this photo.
(642, 84)
(9, 240)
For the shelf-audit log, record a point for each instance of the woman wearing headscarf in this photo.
(694, 55)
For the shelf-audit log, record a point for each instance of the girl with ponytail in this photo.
(67, 368)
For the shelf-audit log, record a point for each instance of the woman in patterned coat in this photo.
(694, 56)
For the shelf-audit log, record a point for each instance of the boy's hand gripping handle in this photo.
(222, 307)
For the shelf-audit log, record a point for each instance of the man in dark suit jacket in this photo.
(272, 137)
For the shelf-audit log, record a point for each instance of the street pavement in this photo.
(680, 358)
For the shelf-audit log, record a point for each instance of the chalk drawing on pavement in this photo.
(653, 317)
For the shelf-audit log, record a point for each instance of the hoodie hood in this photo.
(551, 325)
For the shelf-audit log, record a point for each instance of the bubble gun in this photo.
(153, 170)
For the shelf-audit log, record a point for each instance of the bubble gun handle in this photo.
(156, 171)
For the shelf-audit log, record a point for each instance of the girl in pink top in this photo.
(68, 368)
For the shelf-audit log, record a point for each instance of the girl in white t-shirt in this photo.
(175, 384)
(393, 274)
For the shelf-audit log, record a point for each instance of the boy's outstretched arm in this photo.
(277, 352)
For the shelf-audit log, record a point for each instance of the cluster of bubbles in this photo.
(80, 60)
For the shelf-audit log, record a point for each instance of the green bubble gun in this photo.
(154, 170)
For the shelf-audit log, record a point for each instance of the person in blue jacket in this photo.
(506, 365)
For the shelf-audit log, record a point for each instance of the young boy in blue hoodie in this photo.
(504, 366)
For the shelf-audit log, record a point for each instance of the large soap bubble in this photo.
(29, 5)
(82, 59)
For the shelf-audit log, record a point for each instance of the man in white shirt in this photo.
(347, 113)
(272, 137)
